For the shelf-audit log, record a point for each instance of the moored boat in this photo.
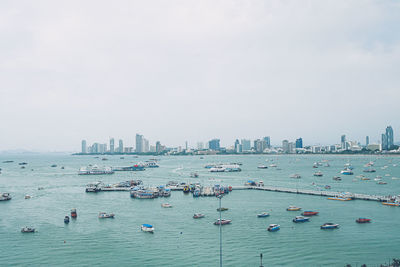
(74, 214)
(329, 226)
(395, 204)
(66, 219)
(347, 171)
(222, 209)
(273, 227)
(262, 215)
(341, 198)
(222, 222)
(27, 229)
(5, 197)
(293, 208)
(198, 216)
(299, 219)
(319, 174)
(103, 215)
(166, 205)
(363, 220)
(310, 213)
(147, 228)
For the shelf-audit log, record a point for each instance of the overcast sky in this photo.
(194, 70)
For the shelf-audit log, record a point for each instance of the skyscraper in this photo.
(214, 144)
(267, 140)
(246, 145)
(285, 146)
(111, 145)
(120, 146)
(343, 141)
(366, 140)
(158, 147)
(384, 142)
(299, 143)
(146, 146)
(389, 136)
(139, 143)
(237, 146)
(84, 147)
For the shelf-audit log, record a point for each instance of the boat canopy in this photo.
(147, 225)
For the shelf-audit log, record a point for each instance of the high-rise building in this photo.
(246, 145)
(158, 147)
(237, 146)
(120, 146)
(285, 146)
(186, 145)
(139, 143)
(389, 136)
(260, 145)
(111, 145)
(384, 140)
(214, 144)
(291, 147)
(366, 140)
(267, 140)
(200, 145)
(343, 141)
(84, 147)
(299, 143)
(146, 146)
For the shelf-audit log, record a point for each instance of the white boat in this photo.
(262, 167)
(273, 165)
(27, 196)
(296, 176)
(147, 228)
(94, 187)
(347, 171)
(5, 197)
(166, 205)
(27, 229)
(151, 164)
(217, 169)
(103, 215)
(95, 170)
(318, 174)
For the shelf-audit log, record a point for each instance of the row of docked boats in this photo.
(141, 192)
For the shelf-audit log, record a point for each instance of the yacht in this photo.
(273, 227)
(222, 222)
(262, 215)
(147, 228)
(103, 215)
(5, 197)
(293, 208)
(166, 205)
(198, 216)
(301, 219)
(329, 226)
(347, 171)
(217, 169)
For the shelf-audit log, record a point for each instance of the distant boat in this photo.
(147, 228)
(166, 205)
(310, 213)
(198, 216)
(66, 219)
(318, 174)
(337, 178)
(273, 165)
(301, 219)
(74, 214)
(329, 226)
(273, 227)
(262, 215)
(103, 215)
(222, 209)
(293, 208)
(222, 222)
(54, 165)
(395, 204)
(369, 170)
(296, 176)
(347, 171)
(28, 230)
(262, 167)
(363, 220)
(5, 197)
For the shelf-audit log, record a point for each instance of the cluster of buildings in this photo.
(246, 146)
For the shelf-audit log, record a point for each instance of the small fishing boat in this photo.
(327, 187)
(5, 196)
(337, 178)
(147, 228)
(319, 174)
(369, 170)
(295, 176)
(103, 215)
(293, 208)
(381, 182)
(27, 229)
(262, 167)
(310, 213)
(329, 226)
(198, 216)
(273, 165)
(222, 222)
(262, 215)
(395, 204)
(363, 220)
(347, 171)
(54, 165)
(365, 178)
(300, 219)
(222, 209)
(341, 198)
(166, 205)
(273, 227)
(27, 196)
(74, 214)
(66, 219)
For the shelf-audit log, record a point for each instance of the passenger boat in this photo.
(296, 176)
(318, 174)
(217, 169)
(222, 222)
(27, 229)
(363, 220)
(293, 208)
(198, 216)
(66, 219)
(147, 228)
(347, 171)
(167, 192)
(262, 215)
(151, 164)
(222, 209)
(103, 215)
(395, 204)
(310, 213)
(73, 213)
(329, 226)
(5, 197)
(166, 205)
(143, 193)
(262, 167)
(273, 227)
(299, 219)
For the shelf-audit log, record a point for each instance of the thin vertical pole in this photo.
(220, 233)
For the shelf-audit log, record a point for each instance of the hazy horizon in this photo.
(191, 71)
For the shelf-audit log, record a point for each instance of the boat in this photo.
(222, 209)
(66, 219)
(365, 178)
(74, 214)
(381, 182)
(341, 198)
(222, 222)
(273, 227)
(151, 164)
(166, 205)
(198, 216)
(296, 176)
(299, 219)
(186, 189)
(369, 170)
(347, 171)
(143, 193)
(327, 187)
(5, 197)
(329, 226)
(62, 168)
(95, 170)
(167, 192)
(27, 196)
(262, 215)
(8, 161)
(23, 163)
(217, 169)
(147, 228)
(194, 175)
(196, 193)
(103, 215)
(273, 165)
(395, 203)
(93, 187)
(337, 178)
(318, 174)
(310, 213)
(27, 229)
(262, 167)
(54, 165)
(293, 208)
(363, 220)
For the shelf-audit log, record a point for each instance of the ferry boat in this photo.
(5, 197)
(151, 164)
(222, 222)
(296, 176)
(329, 226)
(103, 215)
(147, 228)
(166, 205)
(198, 216)
(262, 167)
(93, 187)
(363, 220)
(347, 171)
(299, 219)
(66, 219)
(222, 209)
(318, 174)
(73, 213)
(273, 227)
(293, 208)
(95, 170)
(27, 229)
(262, 215)
(310, 213)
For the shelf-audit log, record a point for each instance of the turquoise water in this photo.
(180, 240)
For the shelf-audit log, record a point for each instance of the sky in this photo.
(179, 71)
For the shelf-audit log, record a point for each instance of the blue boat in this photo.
(274, 227)
(66, 219)
(196, 193)
(262, 215)
(299, 219)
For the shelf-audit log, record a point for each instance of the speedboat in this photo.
(222, 222)
(273, 227)
(103, 215)
(363, 220)
(273, 165)
(27, 229)
(318, 174)
(198, 216)
(347, 171)
(264, 214)
(147, 228)
(337, 178)
(262, 167)
(5, 197)
(27, 196)
(73, 213)
(301, 219)
(293, 208)
(310, 213)
(222, 209)
(381, 182)
(66, 219)
(166, 205)
(329, 226)
(395, 204)
(296, 176)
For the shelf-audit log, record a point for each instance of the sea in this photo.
(180, 240)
